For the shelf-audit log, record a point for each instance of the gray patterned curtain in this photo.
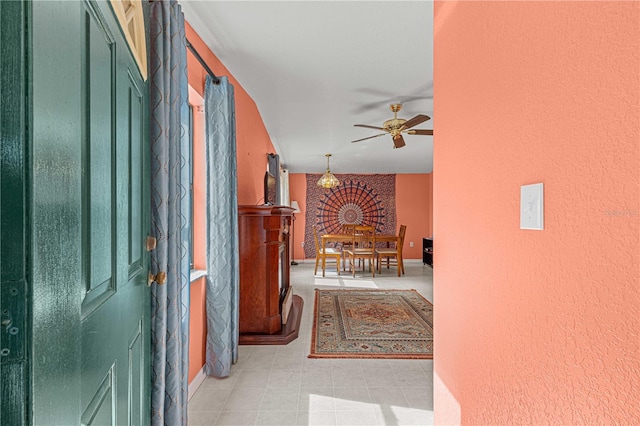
(170, 215)
(223, 267)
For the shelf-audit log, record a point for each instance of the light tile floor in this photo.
(279, 385)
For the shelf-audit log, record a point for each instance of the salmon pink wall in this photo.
(298, 192)
(252, 144)
(537, 327)
(197, 327)
(199, 183)
(413, 208)
(197, 317)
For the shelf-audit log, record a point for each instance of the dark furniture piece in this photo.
(427, 251)
(264, 276)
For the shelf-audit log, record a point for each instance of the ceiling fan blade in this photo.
(398, 141)
(420, 118)
(368, 127)
(428, 132)
(370, 137)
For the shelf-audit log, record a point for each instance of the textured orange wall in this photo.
(414, 201)
(413, 208)
(197, 327)
(298, 192)
(252, 144)
(537, 327)
(199, 182)
(197, 322)
(252, 140)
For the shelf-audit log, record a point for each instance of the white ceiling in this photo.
(316, 68)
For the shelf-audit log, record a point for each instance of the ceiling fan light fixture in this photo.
(328, 180)
(397, 126)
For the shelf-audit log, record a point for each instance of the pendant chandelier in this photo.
(328, 180)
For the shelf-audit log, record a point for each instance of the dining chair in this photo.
(394, 253)
(325, 253)
(363, 247)
(347, 229)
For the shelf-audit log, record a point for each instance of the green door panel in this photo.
(138, 204)
(91, 339)
(56, 213)
(98, 162)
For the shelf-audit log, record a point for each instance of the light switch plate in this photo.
(532, 206)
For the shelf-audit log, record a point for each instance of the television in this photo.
(270, 190)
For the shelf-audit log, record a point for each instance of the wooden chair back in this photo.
(393, 253)
(363, 244)
(347, 228)
(364, 237)
(323, 253)
(403, 231)
(315, 238)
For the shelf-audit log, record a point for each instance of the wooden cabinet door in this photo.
(90, 217)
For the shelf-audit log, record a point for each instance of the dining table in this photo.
(347, 238)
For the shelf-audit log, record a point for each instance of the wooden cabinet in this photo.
(264, 274)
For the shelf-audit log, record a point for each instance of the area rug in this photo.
(372, 324)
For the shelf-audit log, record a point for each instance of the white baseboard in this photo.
(196, 382)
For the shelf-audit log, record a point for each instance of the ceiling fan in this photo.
(397, 126)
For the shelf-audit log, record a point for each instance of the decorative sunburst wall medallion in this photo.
(359, 199)
(350, 213)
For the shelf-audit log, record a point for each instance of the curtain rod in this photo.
(216, 80)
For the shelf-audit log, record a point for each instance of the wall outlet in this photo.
(411, 244)
(302, 244)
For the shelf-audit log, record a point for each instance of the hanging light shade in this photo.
(328, 180)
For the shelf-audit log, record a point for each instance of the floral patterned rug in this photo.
(372, 324)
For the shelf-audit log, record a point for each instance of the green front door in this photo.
(89, 213)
